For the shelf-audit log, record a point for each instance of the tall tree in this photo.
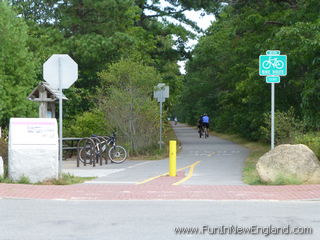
(17, 67)
(223, 75)
(127, 101)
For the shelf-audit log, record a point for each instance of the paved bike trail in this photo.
(220, 161)
(214, 161)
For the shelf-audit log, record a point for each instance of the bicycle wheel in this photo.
(117, 154)
(200, 133)
(86, 151)
(206, 132)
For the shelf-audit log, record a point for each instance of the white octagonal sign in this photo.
(60, 66)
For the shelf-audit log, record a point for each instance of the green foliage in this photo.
(286, 180)
(23, 180)
(126, 99)
(287, 127)
(4, 151)
(4, 179)
(103, 17)
(40, 11)
(98, 33)
(67, 179)
(17, 67)
(4, 155)
(312, 140)
(86, 124)
(222, 76)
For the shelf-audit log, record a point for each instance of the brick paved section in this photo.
(159, 190)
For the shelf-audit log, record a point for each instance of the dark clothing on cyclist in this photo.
(200, 123)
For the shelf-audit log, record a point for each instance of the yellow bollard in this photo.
(173, 158)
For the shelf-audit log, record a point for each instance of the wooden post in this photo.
(53, 109)
(43, 108)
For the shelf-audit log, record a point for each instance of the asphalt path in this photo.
(216, 162)
(154, 220)
(221, 161)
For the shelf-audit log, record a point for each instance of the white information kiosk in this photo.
(1, 167)
(33, 149)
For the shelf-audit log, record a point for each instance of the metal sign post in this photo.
(272, 115)
(60, 71)
(60, 118)
(161, 92)
(160, 140)
(273, 65)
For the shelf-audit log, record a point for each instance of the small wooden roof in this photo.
(52, 94)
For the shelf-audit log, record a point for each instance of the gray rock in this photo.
(289, 163)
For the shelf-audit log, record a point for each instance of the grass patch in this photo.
(22, 180)
(5, 180)
(286, 180)
(66, 179)
(257, 149)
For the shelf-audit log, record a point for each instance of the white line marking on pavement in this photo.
(139, 164)
(109, 182)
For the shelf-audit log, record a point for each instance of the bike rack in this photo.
(97, 145)
(104, 146)
(89, 145)
(93, 150)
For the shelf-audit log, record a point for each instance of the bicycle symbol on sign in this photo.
(278, 64)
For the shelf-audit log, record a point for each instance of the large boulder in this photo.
(289, 164)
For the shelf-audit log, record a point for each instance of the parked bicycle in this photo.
(98, 148)
(116, 153)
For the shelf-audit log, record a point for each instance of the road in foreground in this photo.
(97, 220)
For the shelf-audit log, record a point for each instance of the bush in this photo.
(287, 126)
(4, 154)
(86, 124)
(312, 140)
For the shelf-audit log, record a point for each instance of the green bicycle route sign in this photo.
(273, 64)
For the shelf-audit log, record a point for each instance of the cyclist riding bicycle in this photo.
(205, 121)
(204, 127)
